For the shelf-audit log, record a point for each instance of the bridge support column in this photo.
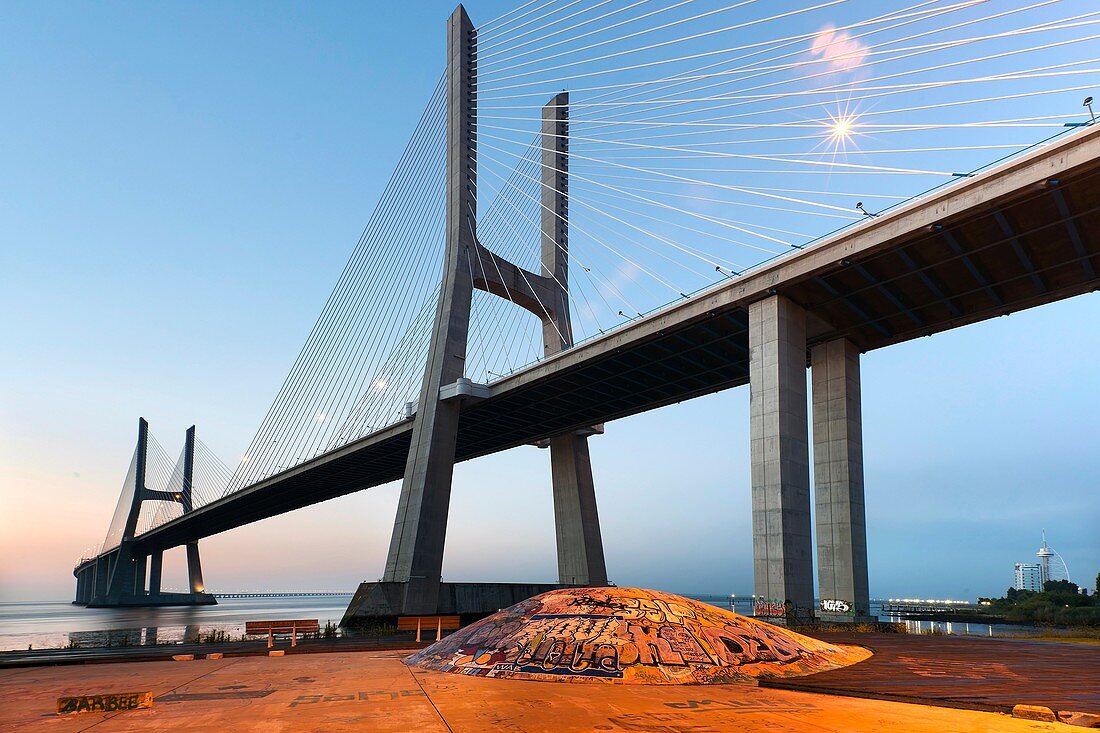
(123, 575)
(576, 521)
(838, 482)
(140, 563)
(156, 571)
(81, 586)
(194, 568)
(416, 546)
(782, 553)
(102, 576)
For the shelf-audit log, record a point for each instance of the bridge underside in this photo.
(1039, 247)
(698, 359)
(991, 246)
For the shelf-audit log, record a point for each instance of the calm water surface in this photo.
(60, 623)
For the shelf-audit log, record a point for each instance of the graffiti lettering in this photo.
(774, 706)
(769, 608)
(364, 696)
(104, 703)
(615, 633)
(833, 605)
(652, 649)
(661, 723)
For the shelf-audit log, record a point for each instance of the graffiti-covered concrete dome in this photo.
(632, 636)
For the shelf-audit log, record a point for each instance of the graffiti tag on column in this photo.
(833, 605)
(771, 607)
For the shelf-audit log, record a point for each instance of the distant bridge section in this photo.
(281, 595)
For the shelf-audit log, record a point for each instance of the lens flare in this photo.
(841, 128)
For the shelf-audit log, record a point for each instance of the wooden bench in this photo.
(408, 623)
(304, 626)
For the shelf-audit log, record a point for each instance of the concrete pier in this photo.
(782, 554)
(382, 602)
(420, 528)
(838, 482)
(156, 571)
(194, 568)
(576, 520)
(141, 563)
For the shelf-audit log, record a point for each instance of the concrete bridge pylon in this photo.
(128, 575)
(411, 583)
(783, 560)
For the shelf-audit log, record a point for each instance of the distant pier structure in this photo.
(305, 594)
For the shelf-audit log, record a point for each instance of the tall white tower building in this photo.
(1044, 554)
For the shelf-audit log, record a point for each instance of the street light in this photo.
(1088, 103)
(865, 212)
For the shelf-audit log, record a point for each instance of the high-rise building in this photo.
(1045, 554)
(1029, 576)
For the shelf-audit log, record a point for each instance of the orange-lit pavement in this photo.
(375, 691)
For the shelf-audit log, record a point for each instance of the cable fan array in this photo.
(208, 480)
(705, 138)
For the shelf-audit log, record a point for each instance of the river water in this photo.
(52, 624)
(59, 623)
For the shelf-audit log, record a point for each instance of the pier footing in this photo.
(160, 599)
(377, 601)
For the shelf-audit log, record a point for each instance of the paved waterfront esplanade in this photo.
(1021, 234)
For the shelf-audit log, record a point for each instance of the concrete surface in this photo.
(376, 600)
(780, 458)
(375, 691)
(420, 527)
(965, 671)
(838, 482)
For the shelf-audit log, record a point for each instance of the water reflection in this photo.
(914, 626)
(59, 624)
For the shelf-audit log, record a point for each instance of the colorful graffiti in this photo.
(771, 608)
(834, 605)
(629, 635)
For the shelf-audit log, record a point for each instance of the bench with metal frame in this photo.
(294, 627)
(441, 623)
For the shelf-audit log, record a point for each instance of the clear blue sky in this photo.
(180, 185)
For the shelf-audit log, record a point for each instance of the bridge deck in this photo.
(1020, 235)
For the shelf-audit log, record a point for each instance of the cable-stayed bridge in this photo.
(545, 261)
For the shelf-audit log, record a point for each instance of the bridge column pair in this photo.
(416, 548)
(194, 570)
(118, 577)
(782, 551)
